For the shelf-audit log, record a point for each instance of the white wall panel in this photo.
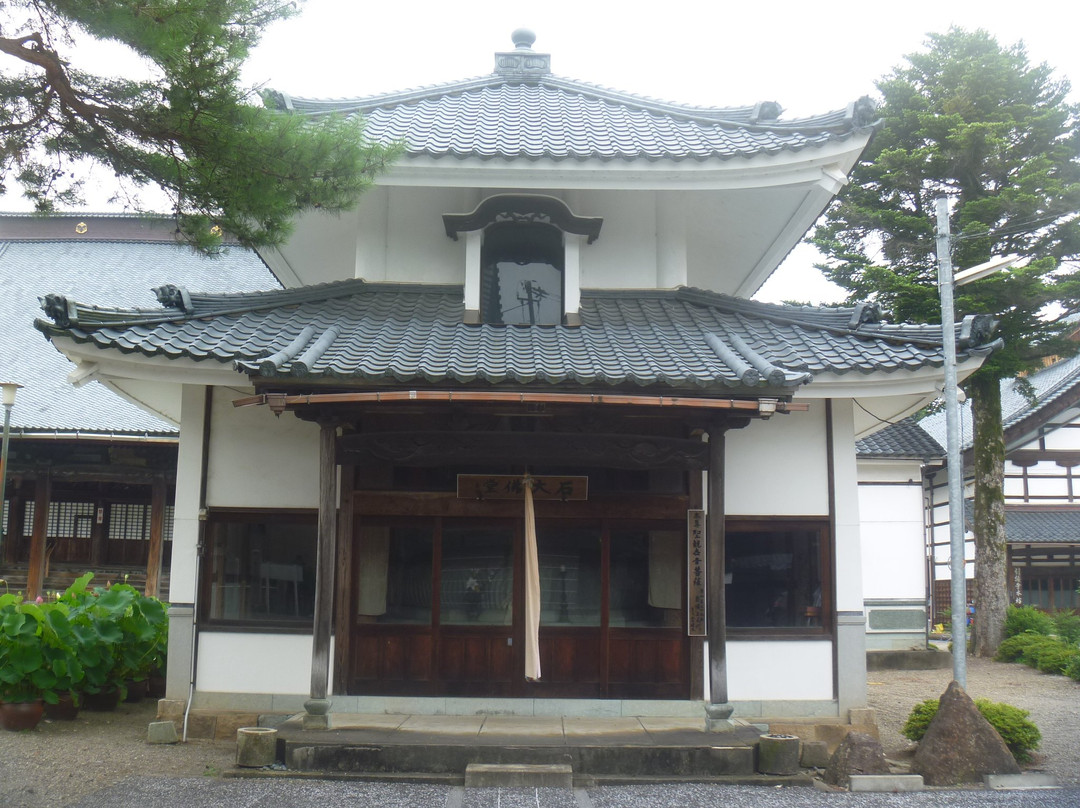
(766, 671)
(255, 663)
(892, 541)
(779, 467)
(260, 460)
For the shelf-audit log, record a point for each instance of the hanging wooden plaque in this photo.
(512, 486)
(695, 573)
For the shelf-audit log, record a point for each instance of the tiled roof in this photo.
(903, 440)
(540, 115)
(686, 339)
(95, 272)
(1042, 526)
(1049, 384)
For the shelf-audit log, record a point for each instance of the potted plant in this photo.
(121, 636)
(38, 659)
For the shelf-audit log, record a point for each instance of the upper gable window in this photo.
(521, 274)
(522, 255)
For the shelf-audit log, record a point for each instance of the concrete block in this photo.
(778, 754)
(1021, 781)
(517, 775)
(815, 755)
(171, 709)
(886, 783)
(862, 716)
(162, 732)
(272, 720)
(201, 725)
(255, 746)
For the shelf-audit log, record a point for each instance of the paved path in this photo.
(141, 792)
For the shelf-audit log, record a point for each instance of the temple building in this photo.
(513, 437)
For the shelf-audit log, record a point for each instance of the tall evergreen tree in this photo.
(975, 121)
(190, 128)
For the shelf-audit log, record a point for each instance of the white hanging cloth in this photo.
(532, 589)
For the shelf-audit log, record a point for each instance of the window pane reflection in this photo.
(569, 576)
(774, 578)
(646, 578)
(477, 576)
(394, 574)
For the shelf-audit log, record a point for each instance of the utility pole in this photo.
(957, 562)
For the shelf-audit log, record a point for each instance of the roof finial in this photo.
(522, 63)
(523, 38)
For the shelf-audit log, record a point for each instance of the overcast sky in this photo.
(810, 57)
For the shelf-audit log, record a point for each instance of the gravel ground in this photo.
(103, 758)
(1053, 701)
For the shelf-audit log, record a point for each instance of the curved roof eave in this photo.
(775, 169)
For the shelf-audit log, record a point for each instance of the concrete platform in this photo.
(622, 747)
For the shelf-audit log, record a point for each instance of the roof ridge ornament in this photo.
(522, 62)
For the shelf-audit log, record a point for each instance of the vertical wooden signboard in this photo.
(695, 573)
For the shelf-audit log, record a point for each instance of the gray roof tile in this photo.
(686, 340)
(96, 271)
(903, 441)
(556, 118)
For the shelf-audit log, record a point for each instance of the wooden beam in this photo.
(279, 402)
(35, 575)
(324, 564)
(157, 530)
(431, 448)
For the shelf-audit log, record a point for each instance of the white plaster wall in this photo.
(779, 467)
(624, 257)
(418, 249)
(259, 460)
(892, 541)
(776, 671)
(255, 663)
(1066, 437)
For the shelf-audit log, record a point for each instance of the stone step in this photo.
(519, 775)
(301, 754)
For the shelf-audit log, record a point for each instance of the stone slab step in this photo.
(626, 760)
(519, 775)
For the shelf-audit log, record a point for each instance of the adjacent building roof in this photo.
(904, 440)
(1056, 387)
(379, 334)
(39, 254)
(1042, 526)
(523, 111)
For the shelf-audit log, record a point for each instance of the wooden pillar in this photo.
(343, 586)
(318, 705)
(157, 530)
(718, 710)
(35, 575)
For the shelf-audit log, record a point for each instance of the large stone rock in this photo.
(960, 746)
(858, 753)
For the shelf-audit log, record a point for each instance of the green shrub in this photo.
(1021, 619)
(1013, 725)
(1067, 626)
(1014, 648)
(1051, 657)
(1072, 670)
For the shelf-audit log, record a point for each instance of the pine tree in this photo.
(974, 121)
(192, 129)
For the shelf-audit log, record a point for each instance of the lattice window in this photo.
(67, 520)
(131, 522)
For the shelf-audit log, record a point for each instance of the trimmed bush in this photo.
(1021, 619)
(1013, 725)
(1072, 670)
(1052, 657)
(1016, 648)
(1067, 626)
